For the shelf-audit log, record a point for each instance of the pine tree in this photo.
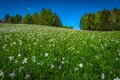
(49, 17)
(112, 18)
(118, 21)
(27, 19)
(12, 19)
(42, 17)
(7, 18)
(104, 20)
(18, 18)
(56, 21)
(35, 18)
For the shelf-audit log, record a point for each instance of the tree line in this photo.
(45, 17)
(104, 20)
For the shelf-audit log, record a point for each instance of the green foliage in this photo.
(56, 21)
(49, 17)
(12, 19)
(43, 17)
(68, 27)
(7, 18)
(118, 21)
(46, 17)
(35, 18)
(104, 20)
(27, 19)
(90, 21)
(18, 18)
(50, 53)
(97, 21)
(84, 22)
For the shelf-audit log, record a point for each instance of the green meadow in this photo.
(37, 52)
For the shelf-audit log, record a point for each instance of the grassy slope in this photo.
(72, 55)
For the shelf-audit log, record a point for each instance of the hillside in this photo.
(48, 53)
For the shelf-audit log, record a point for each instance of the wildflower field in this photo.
(37, 52)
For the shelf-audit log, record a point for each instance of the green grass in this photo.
(58, 54)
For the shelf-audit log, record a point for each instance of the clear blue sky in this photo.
(69, 11)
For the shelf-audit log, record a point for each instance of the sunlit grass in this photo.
(48, 53)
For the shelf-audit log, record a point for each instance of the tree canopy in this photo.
(45, 17)
(27, 19)
(104, 20)
(6, 18)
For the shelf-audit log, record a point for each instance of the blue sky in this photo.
(69, 11)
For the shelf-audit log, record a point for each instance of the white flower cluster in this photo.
(102, 76)
(117, 78)
(1, 73)
(24, 60)
(46, 54)
(27, 76)
(12, 75)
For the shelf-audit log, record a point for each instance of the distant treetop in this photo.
(104, 20)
